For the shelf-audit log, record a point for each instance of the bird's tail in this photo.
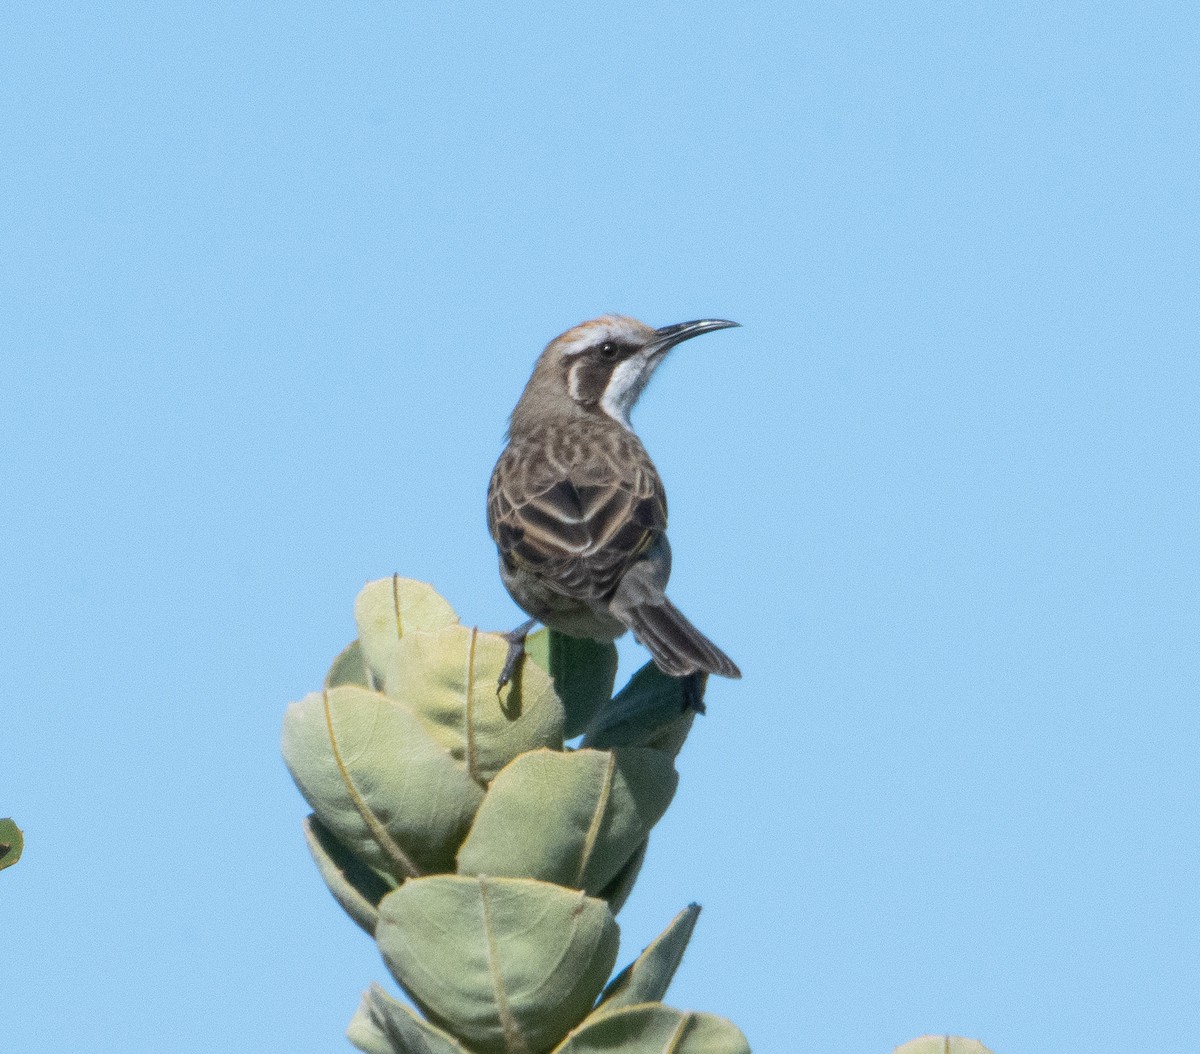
(678, 647)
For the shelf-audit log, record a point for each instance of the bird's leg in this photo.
(516, 649)
(693, 691)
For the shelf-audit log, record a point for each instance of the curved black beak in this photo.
(669, 336)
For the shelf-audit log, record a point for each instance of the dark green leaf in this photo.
(582, 670)
(648, 712)
(383, 1025)
(354, 885)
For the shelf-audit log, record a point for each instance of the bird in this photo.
(577, 509)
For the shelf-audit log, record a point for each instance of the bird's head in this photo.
(601, 367)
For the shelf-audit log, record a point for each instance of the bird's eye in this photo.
(608, 350)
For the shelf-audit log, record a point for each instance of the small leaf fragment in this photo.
(651, 1028)
(12, 843)
(942, 1045)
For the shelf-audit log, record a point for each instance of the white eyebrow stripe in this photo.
(589, 334)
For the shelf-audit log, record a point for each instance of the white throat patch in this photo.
(627, 382)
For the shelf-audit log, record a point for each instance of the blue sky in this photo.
(272, 278)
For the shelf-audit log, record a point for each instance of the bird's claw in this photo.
(516, 651)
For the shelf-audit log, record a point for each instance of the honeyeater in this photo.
(576, 506)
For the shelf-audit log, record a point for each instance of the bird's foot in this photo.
(516, 650)
(693, 691)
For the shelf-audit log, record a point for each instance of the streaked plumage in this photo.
(575, 505)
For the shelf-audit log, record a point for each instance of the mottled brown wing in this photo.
(578, 523)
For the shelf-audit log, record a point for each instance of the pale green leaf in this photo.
(942, 1045)
(504, 964)
(416, 651)
(378, 781)
(449, 677)
(574, 818)
(388, 608)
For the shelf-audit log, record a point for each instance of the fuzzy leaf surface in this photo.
(450, 676)
(416, 650)
(378, 781)
(388, 608)
(574, 818)
(651, 1028)
(504, 964)
(383, 1025)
